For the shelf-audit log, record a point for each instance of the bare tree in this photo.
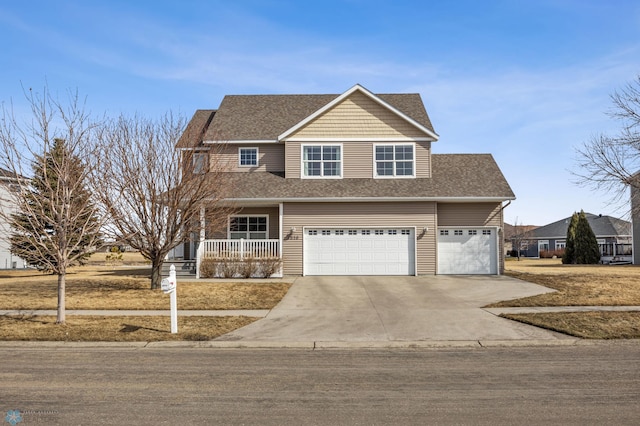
(156, 195)
(611, 163)
(56, 224)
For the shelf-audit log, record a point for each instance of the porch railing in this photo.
(240, 249)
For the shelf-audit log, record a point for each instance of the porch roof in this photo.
(456, 177)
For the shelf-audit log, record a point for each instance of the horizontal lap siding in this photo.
(270, 157)
(474, 214)
(359, 215)
(359, 116)
(469, 214)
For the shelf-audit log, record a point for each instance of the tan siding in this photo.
(388, 215)
(469, 214)
(270, 157)
(292, 159)
(423, 159)
(357, 160)
(359, 116)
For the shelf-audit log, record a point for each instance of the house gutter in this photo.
(372, 199)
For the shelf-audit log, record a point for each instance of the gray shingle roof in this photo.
(602, 226)
(265, 117)
(455, 176)
(196, 128)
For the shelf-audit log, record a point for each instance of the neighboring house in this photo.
(613, 235)
(635, 220)
(516, 235)
(8, 182)
(347, 185)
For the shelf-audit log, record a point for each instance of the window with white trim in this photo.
(486, 232)
(444, 232)
(366, 232)
(248, 157)
(457, 232)
(353, 232)
(320, 161)
(313, 232)
(394, 160)
(473, 232)
(339, 231)
(248, 227)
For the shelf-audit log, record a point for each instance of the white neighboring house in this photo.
(8, 182)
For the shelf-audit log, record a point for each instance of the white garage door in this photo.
(353, 251)
(467, 251)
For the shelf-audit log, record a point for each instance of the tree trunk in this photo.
(61, 302)
(156, 273)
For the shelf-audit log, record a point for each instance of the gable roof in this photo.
(345, 95)
(602, 226)
(267, 117)
(456, 177)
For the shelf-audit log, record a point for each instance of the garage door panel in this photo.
(359, 252)
(467, 251)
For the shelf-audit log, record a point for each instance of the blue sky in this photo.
(527, 81)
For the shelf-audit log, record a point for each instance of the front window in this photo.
(394, 160)
(322, 161)
(248, 157)
(248, 227)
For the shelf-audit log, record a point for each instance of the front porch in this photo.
(237, 250)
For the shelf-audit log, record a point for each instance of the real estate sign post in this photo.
(168, 285)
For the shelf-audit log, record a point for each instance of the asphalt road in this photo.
(594, 384)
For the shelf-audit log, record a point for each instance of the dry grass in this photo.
(116, 329)
(587, 325)
(577, 285)
(125, 287)
(98, 287)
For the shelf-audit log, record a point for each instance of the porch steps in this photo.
(184, 268)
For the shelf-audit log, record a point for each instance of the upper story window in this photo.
(199, 162)
(248, 157)
(320, 161)
(394, 160)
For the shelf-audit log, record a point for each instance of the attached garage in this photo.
(467, 251)
(358, 251)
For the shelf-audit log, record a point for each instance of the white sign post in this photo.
(168, 285)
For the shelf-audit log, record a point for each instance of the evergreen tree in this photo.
(569, 255)
(587, 251)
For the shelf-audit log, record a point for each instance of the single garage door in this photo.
(467, 251)
(353, 251)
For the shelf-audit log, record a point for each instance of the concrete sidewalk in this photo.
(258, 313)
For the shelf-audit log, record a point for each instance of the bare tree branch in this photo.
(611, 163)
(56, 225)
(150, 190)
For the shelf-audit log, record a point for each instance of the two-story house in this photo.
(347, 185)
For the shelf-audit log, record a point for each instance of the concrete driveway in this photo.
(395, 309)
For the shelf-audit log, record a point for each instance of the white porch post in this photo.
(199, 251)
(202, 224)
(280, 233)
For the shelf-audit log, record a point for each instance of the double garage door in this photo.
(357, 251)
(391, 251)
(467, 251)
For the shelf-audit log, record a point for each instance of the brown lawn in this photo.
(125, 287)
(579, 285)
